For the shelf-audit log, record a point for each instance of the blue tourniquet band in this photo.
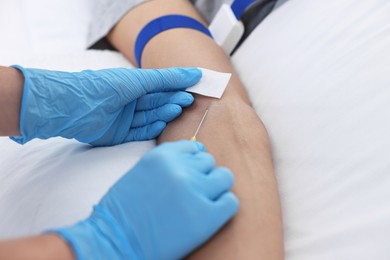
(239, 6)
(161, 24)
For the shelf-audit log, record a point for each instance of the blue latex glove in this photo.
(104, 107)
(171, 202)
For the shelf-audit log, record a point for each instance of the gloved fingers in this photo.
(222, 181)
(155, 100)
(183, 146)
(202, 162)
(226, 207)
(146, 132)
(218, 182)
(163, 80)
(165, 113)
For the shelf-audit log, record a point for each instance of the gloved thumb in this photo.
(160, 80)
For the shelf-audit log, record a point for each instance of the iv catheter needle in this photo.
(193, 138)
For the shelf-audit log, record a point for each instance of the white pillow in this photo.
(318, 73)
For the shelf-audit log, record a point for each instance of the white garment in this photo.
(106, 13)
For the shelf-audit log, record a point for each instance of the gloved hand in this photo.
(104, 107)
(171, 202)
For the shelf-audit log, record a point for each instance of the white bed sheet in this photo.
(322, 87)
(40, 26)
(317, 73)
(55, 183)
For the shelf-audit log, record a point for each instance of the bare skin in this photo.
(232, 131)
(40, 247)
(11, 89)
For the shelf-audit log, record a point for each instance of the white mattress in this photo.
(317, 73)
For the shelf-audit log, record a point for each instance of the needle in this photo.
(193, 138)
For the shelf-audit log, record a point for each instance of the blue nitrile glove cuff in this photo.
(56, 114)
(100, 237)
(24, 138)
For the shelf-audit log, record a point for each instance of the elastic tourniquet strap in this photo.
(161, 24)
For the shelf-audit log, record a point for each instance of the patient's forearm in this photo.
(11, 88)
(232, 132)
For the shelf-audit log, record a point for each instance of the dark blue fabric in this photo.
(239, 6)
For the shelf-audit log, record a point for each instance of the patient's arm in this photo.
(232, 132)
(11, 88)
